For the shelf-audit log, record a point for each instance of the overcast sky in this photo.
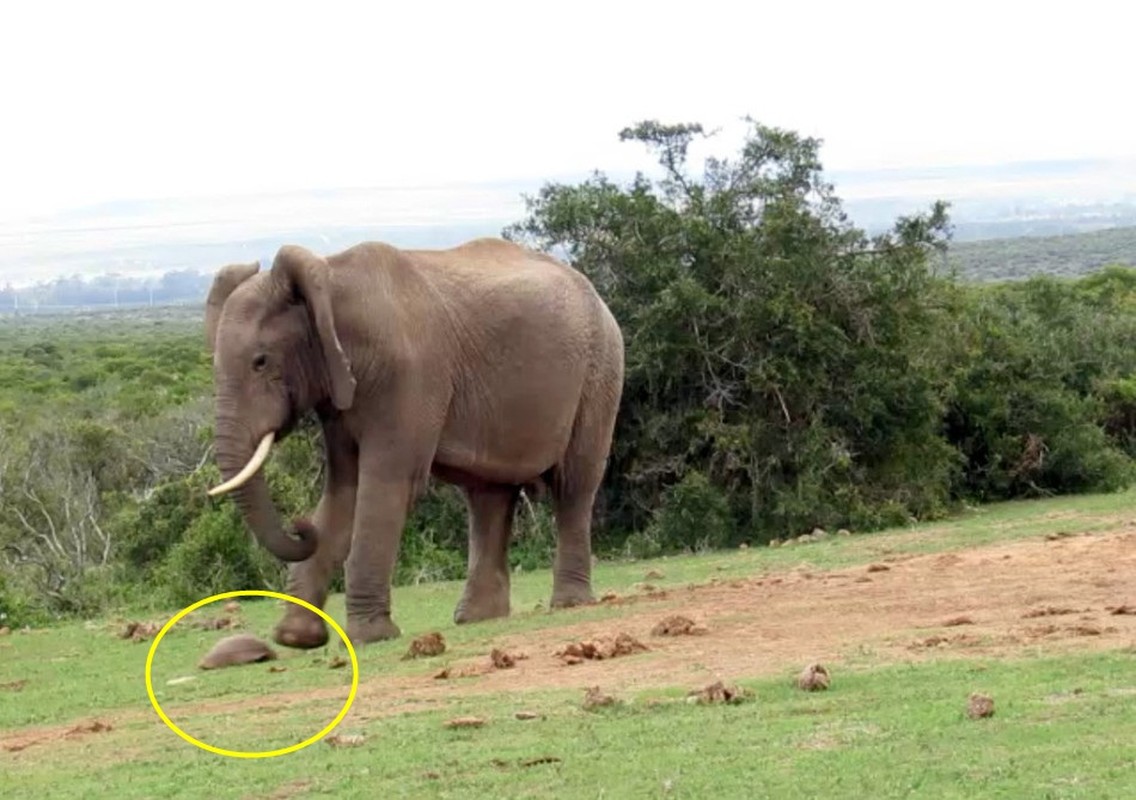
(113, 100)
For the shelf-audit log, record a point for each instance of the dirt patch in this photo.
(13, 686)
(760, 627)
(17, 744)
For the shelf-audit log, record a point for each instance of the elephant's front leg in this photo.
(486, 593)
(386, 493)
(334, 520)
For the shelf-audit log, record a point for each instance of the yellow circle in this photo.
(248, 753)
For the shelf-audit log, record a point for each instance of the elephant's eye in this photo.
(260, 362)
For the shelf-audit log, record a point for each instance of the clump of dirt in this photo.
(956, 621)
(594, 697)
(277, 668)
(1053, 537)
(345, 739)
(654, 575)
(980, 706)
(1089, 630)
(232, 607)
(465, 722)
(337, 662)
(532, 762)
(98, 726)
(1121, 609)
(468, 671)
(526, 715)
(609, 597)
(502, 659)
(599, 649)
(932, 641)
(719, 692)
(139, 631)
(1049, 611)
(13, 686)
(243, 648)
(878, 568)
(813, 678)
(216, 624)
(677, 625)
(426, 646)
(863, 579)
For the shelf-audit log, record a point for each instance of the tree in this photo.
(771, 344)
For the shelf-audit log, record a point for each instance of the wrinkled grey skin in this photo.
(488, 366)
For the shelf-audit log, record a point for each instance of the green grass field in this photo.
(1063, 728)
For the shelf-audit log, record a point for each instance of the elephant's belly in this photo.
(509, 442)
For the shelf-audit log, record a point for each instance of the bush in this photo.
(216, 555)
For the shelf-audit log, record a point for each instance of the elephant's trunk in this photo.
(245, 480)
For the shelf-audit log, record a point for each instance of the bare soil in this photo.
(1046, 595)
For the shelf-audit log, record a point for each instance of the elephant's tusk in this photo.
(254, 463)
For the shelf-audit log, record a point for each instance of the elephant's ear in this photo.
(304, 273)
(224, 282)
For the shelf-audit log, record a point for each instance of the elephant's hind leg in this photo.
(575, 482)
(486, 594)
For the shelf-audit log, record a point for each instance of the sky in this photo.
(117, 100)
(128, 124)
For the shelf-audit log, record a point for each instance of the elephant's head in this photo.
(276, 355)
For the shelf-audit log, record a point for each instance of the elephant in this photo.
(489, 366)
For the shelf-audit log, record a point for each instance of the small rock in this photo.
(844, 532)
(818, 534)
(813, 678)
(774, 542)
(743, 546)
(980, 706)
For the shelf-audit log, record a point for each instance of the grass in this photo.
(1063, 726)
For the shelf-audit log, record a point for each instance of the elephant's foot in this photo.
(304, 632)
(477, 606)
(363, 630)
(573, 594)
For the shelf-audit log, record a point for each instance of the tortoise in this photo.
(241, 648)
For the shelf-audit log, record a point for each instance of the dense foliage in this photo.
(784, 371)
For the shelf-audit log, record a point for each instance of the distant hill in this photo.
(1022, 257)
